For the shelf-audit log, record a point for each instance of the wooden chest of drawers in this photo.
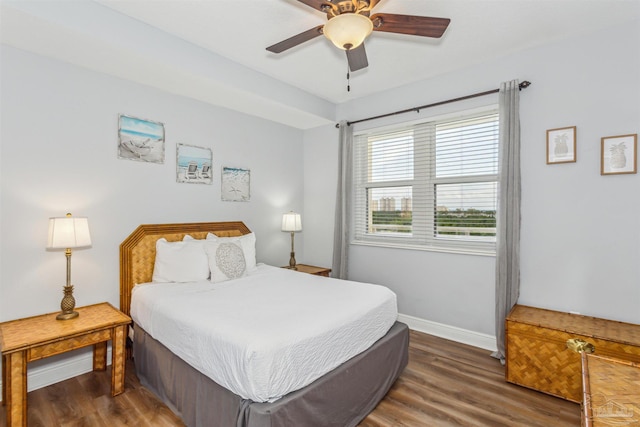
(537, 355)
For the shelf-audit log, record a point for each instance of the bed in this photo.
(341, 397)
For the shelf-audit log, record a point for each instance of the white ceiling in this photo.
(240, 30)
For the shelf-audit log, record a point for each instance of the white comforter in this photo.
(266, 334)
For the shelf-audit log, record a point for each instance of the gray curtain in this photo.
(508, 226)
(339, 267)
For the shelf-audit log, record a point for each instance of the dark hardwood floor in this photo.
(445, 384)
(452, 384)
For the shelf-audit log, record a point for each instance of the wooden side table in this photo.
(312, 269)
(34, 338)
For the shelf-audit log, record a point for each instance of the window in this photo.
(431, 184)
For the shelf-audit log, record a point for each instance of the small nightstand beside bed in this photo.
(274, 347)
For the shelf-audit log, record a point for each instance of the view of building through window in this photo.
(393, 212)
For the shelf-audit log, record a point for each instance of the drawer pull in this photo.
(580, 346)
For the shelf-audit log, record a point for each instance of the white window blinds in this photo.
(431, 184)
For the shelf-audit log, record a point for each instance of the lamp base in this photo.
(292, 261)
(67, 304)
(67, 316)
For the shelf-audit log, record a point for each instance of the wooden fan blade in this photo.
(316, 4)
(296, 40)
(373, 3)
(408, 24)
(357, 58)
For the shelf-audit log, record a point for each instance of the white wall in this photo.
(320, 171)
(58, 145)
(94, 36)
(580, 247)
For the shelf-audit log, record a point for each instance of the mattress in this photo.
(267, 334)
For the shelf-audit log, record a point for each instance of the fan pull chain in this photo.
(348, 79)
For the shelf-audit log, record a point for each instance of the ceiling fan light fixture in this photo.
(348, 30)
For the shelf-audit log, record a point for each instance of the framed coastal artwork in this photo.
(235, 184)
(619, 154)
(193, 164)
(561, 145)
(140, 139)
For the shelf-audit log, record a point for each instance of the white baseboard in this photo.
(45, 374)
(42, 374)
(476, 339)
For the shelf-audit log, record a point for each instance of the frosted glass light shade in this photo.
(68, 232)
(348, 31)
(291, 222)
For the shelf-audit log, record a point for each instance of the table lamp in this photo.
(292, 222)
(68, 233)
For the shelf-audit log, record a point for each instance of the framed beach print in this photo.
(619, 154)
(140, 139)
(235, 184)
(193, 164)
(561, 145)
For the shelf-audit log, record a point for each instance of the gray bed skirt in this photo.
(341, 398)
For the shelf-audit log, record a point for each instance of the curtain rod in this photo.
(525, 84)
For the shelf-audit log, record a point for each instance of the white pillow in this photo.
(184, 261)
(247, 243)
(226, 259)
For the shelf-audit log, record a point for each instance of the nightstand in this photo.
(34, 338)
(312, 269)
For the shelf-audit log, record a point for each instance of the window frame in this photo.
(424, 185)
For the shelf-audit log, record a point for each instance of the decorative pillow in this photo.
(226, 259)
(247, 243)
(184, 261)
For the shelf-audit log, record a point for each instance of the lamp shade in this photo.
(68, 232)
(291, 222)
(348, 30)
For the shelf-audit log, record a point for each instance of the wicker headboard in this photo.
(138, 251)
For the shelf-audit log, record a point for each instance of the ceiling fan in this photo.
(349, 24)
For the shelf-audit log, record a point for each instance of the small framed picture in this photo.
(140, 139)
(561, 145)
(193, 164)
(619, 154)
(236, 184)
